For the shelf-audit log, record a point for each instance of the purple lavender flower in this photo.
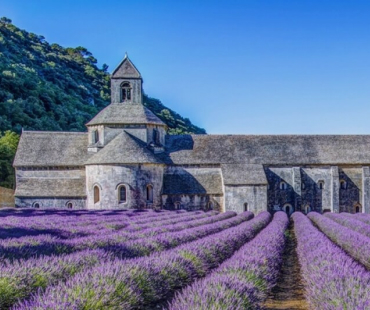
(333, 279)
(355, 244)
(244, 280)
(144, 282)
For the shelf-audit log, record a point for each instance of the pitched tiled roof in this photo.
(48, 148)
(124, 114)
(269, 149)
(192, 181)
(50, 187)
(124, 149)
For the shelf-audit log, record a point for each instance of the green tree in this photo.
(8, 146)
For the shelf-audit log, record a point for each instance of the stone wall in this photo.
(136, 178)
(350, 195)
(49, 203)
(246, 198)
(314, 197)
(316, 189)
(193, 202)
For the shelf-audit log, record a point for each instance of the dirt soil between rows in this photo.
(289, 291)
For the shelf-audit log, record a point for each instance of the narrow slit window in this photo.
(321, 184)
(96, 194)
(122, 194)
(149, 193)
(246, 206)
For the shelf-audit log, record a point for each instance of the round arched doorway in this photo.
(288, 209)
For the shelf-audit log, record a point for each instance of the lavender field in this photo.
(177, 260)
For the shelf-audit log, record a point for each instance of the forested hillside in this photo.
(46, 86)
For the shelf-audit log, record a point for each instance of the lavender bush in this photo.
(333, 280)
(244, 280)
(143, 282)
(21, 278)
(27, 276)
(363, 217)
(347, 220)
(355, 244)
(27, 247)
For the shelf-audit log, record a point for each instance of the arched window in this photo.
(69, 205)
(246, 206)
(288, 209)
(303, 186)
(125, 91)
(177, 205)
(122, 194)
(96, 194)
(210, 205)
(307, 209)
(283, 186)
(358, 208)
(149, 193)
(320, 184)
(343, 184)
(36, 205)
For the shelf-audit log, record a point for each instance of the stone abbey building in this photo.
(126, 160)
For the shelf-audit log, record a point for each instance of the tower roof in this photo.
(126, 69)
(125, 114)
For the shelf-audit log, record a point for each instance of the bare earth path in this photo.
(288, 292)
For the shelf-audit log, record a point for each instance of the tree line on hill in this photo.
(46, 86)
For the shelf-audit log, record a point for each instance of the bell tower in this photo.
(126, 83)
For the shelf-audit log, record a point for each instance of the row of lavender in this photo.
(162, 234)
(21, 278)
(244, 280)
(80, 225)
(335, 260)
(147, 281)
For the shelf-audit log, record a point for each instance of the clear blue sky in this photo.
(238, 67)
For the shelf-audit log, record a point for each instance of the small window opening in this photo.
(36, 205)
(321, 184)
(177, 205)
(69, 205)
(96, 194)
(122, 194)
(303, 186)
(246, 206)
(283, 186)
(94, 136)
(343, 184)
(307, 209)
(210, 205)
(149, 193)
